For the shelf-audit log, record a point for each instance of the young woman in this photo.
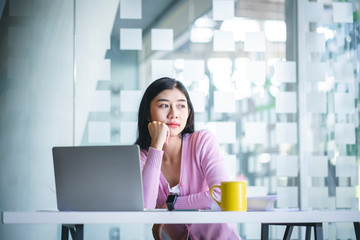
(178, 165)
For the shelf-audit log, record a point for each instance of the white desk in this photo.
(290, 219)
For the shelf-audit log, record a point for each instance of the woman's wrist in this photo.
(157, 146)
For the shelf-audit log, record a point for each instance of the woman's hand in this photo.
(156, 230)
(159, 133)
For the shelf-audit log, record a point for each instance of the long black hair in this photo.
(159, 85)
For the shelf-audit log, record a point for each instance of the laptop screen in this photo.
(98, 178)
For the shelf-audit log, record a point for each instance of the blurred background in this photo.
(277, 82)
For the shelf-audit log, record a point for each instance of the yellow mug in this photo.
(233, 196)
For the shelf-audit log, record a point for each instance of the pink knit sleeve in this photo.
(211, 160)
(213, 168)
(151, 168)
(201, 200)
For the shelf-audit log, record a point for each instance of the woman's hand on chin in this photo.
(159, 133)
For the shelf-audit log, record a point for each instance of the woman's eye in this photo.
(163, 105)
(182, 106)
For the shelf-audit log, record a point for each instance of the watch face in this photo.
(171, 198)
(170, 201)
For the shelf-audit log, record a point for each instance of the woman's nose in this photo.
(173, 113)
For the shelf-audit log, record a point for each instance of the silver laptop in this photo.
(98, 178)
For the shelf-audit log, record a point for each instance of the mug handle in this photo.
(211, 194)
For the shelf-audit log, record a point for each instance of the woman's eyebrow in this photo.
(162, 100)
(166, 100)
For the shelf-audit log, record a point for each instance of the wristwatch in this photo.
(170, 201)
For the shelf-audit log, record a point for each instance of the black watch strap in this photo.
(170, 201)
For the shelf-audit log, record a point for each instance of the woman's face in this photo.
(171, 108)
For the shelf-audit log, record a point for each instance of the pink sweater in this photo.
(201, 167)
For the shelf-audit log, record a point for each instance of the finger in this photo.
(150, 123)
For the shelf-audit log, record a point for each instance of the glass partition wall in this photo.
(276, 81)
(328, 87)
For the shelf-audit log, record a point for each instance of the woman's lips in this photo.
(173, 125)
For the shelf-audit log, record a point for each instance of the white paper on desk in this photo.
(223, 41)
(255, 42)
(343, 12)
(223, 9)
(261, 203)
(315, 42)
(314, 11)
